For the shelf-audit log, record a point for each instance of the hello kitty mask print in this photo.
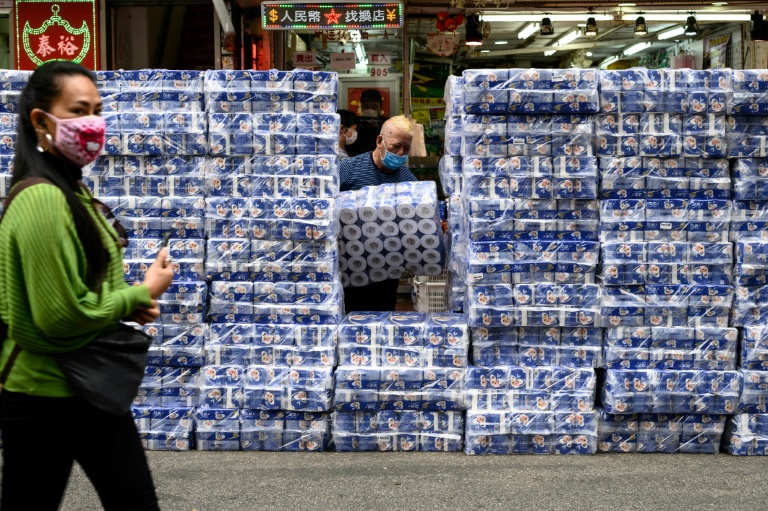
(80, 139)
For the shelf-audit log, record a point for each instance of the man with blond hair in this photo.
(387, 163)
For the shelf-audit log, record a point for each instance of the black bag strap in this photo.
(23, 185)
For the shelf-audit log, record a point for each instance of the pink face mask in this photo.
(80, 139)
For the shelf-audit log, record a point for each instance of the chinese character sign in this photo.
(331, 16)
(59, 30)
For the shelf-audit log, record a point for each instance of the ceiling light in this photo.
(669, 34)
(569, 38)
(549, 53)
(501, 42)
(607, 62)
(546, 27)
(485, 51)
(528, 31)
(683, 17)
(591, 29)
(626, 5)
(588, 54)
(719, 4)
(640, 27)
(521, 18)
(637, 48)
(474, 36)
(691, 27)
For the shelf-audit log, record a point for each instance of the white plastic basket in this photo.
(429, 296)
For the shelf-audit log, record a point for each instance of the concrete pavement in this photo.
(241, 481)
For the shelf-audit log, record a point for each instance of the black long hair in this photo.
(43, 88)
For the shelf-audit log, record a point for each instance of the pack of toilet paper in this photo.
(746, 434)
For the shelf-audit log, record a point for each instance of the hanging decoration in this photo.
(448, 22)
(443, 44)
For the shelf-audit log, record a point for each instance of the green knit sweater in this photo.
(44, 299)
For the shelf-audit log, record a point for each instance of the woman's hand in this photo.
(160, 275)
(143, 315)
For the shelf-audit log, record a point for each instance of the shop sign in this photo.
(60, 30)
(342, 61)
(330, 16)
(305, 59)
(380, 59)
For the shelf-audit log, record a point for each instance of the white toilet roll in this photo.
(431, 241)
(425, 211)
(355, 248)
(376, 261)
(358, 279)
(389, 229)
(411, 241)
(411, 256)
(343, 264)
(374, 245)
(357, 264)
(433, 269)
(408, 226)
(431, 256)
(342, 248)
(395, 259)
(415, 268)
(371, 230)
(392, 244)
(406, 210)
(347, 216)
(387, 213)
(395, 272)
(427, 226)
(377, 275)
(352, 232)
(344, 280)
(367, 213)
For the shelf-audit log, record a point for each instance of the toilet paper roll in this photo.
(347, 216)
(343, 264)
(411, 256)
(408, 226)
(411, 241)
(395, 272)
(355, 248)
(358, 279)
(433, 269)
(367, 213)
(357, 264)
(427, 226)
(425, 211)
(376, 261)
(431, 256)
(432, 241)
(395, 259)
(389, 229)
(371, 230)
(342, 248)
(344, 280)
(391, 244)
(352, 232)
(378, 275)
(387, 213)
(406, 210)
(374, 245)
(415, 268)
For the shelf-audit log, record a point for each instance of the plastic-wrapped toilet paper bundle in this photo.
(388, 229)
(746, 434)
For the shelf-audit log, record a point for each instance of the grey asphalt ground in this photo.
(241, 481)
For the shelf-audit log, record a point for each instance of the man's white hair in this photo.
(397, 123)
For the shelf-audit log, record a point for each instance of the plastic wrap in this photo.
(746, 434)
(671, 391)
(388, 229)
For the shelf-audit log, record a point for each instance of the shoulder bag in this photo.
(107, 371)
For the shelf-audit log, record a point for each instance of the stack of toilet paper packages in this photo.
(746, 434)
(398, 386)
(538, 410)
(748, 109)
(388, 229)
(660, 433)
(13, 82)
(455, 253)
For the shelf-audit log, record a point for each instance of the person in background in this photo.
(348, 132)
(386, 163)
(61, 286)
(371, 122)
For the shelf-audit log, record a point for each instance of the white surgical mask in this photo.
(370, 113)
(351, 138)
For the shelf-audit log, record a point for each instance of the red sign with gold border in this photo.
(59, 30)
